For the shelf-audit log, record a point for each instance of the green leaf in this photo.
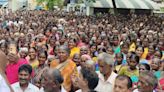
(51, 3)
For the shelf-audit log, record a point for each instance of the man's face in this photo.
(121, 86)
(104, 68)
(47, 80)
(24, 77)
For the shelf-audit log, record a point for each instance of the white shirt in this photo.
(106, 86)
(62, 89)
(78, 90)
(136, 90)
(3, 85)
(31, 88)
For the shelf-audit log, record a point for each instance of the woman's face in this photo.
(32, 53)
(62, 54)
(142, 68)
(93, 49)
(142, 37)
(124, 49)
(71, 44)
(157, 54)
(23, 54)
(42, 58)
(110, 51)
(105, 41)
(155, 64)
(128, 58)
(83, 50)
(44, 48)
(151, 49)
(139, 51)
(160, 45)
(145, 42)
(47, 33)
(133, 63)
(98, 40)
(76, 59)
(115, 41)
(29, 36)
(150, 37)
(52, 41)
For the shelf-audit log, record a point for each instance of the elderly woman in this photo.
(147, 82)
(65, 65)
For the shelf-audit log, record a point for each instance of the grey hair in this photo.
(57, 76)
(108, 59)
(90, 62)
(156, 60)
(64, 47)
(150, 78)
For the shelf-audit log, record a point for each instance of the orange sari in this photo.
(67, 69)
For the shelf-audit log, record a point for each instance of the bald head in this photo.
(3, 61)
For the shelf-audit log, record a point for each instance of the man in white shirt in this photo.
(106, 74)
(4, 86)
(24, 77)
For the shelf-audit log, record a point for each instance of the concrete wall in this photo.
(32, 4)
(16, 4)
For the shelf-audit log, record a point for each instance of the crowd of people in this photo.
(55, 51)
